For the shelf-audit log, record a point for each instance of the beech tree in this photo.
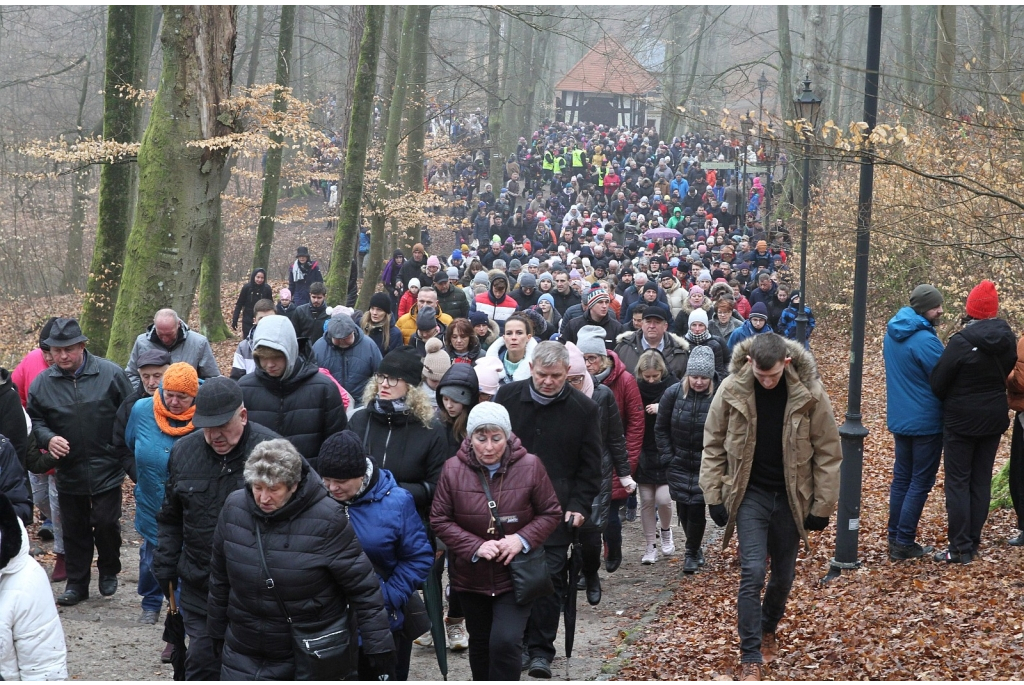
(179, 178)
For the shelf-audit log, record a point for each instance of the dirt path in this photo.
(106, 643)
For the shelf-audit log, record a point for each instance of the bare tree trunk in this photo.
(127, 64)
(837, 51)
(360, 115)
(945, 55)
(272, 172)
(691, 78)
(254, 56)
(493, 82)
(79, 201)
(389, 166)
(673, 69)
(416, 108)
(907, 70)
(179, 186)
(391, 47)
(785, 65)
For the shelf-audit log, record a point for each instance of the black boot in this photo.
(690, 563)
(593, 588)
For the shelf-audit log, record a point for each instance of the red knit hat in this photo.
(983, 302)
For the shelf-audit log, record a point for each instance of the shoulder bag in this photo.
(321, 651)
(530, 576)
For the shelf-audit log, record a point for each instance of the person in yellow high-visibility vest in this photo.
(548, 165)
(578, 160)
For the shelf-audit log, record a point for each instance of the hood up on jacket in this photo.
(252, 276)
(278, 333)
(991, 336)
(463, 376)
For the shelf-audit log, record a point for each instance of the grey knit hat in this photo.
(925, 297)
(701, 363)
(590, 340)
(489, 414)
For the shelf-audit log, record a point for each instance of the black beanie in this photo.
(381, 301)
(341, 456)
(402, 362)
(44, 334)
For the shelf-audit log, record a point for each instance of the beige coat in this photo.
(810, 440)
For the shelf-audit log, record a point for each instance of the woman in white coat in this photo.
(31, 637)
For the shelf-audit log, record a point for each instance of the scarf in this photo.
(299, 270)
(391, 406)
(164, 417)
(697, 338)
(545, 400)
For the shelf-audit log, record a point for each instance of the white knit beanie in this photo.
(698, 316)
(489, 414)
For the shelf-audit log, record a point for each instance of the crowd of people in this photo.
(611, 285)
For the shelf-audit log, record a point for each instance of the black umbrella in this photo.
(433, 598)
(569, 607)
(174, 633)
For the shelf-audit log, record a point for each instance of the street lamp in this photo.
(762, 85)
(807, 108)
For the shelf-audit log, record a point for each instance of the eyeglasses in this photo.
(387, 381)
(575, 380)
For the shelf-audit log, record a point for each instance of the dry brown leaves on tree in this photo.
(888, 620)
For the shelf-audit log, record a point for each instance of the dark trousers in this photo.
(968, 460)
(200, 662)
(694, 521)
(590, 541)
(91, 521)
(1017, 469)
(913, 477)
(403, 657)
(454, 601)
(613, 531)
(542, 628)
(764, 526)
(495, 626)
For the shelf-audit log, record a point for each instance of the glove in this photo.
(813, 522)
(628, 483)
(167, 586)
(719, 514)
(382, 666)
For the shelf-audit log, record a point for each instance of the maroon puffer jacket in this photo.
(631, 409)
(459, 516)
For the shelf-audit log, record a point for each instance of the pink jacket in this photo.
(26, 371)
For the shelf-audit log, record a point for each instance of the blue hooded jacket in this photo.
(911, 349)
(394, 540)
(745, 331)
(352, 366)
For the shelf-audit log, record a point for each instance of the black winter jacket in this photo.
(970, 378)
(400, 443)
(198, 482)
(14, 480)
(247, 299)
(722, 356)
(614, 459)
(454, 302)
(81, 409)
(649, 470)
(319, 570)
(572, 457)
(612, 329)
(679, 434)
(13, 425)
(309, 322)
(306, 408)
(124, 412)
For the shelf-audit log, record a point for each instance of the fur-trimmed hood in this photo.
(803, 363)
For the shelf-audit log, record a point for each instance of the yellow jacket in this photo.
(407, 322)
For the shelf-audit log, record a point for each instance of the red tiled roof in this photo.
(608, 68)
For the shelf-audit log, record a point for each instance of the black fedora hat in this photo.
(65, 333)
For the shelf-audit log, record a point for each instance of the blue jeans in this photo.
(149, 588)
(913, 476)
(764, 526)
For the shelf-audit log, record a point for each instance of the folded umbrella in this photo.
(174, 634)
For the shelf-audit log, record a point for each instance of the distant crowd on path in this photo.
(349, 453)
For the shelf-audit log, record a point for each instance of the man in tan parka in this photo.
(770, 471)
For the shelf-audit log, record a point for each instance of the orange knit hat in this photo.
(181, 377)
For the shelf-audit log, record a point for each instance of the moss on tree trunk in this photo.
(345, 238)
(127, 62)
(416, 115)
(272, 173)
(179, 184)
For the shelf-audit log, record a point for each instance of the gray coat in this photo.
(190, 347)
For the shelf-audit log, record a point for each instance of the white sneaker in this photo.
(457, 638)
(667, 546)
(425, 640)
(650, 557)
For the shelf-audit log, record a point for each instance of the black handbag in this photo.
(530, 576)
(321, 650)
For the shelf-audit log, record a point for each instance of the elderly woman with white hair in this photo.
(285, 559)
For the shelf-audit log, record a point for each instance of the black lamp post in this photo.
(808, 107)
(762, 85)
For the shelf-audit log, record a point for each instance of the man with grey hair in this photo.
(540, 408)
(169, 333)
(203, 469)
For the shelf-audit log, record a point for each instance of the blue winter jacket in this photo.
(152, 449)
(394, 539)
(911, 349)
(746, 331)
(787, 325)
(352, 366)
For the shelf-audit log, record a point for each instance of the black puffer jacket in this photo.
(318, 568)
(463, 376)
(454, 302)
(303, 405)
(721, 351)
(247, 299)
(649, 470)
(13, 425)
(679, 433)
(81, 410)
(970, 378)
(614, 460)
(198, 482)
(400, 443)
